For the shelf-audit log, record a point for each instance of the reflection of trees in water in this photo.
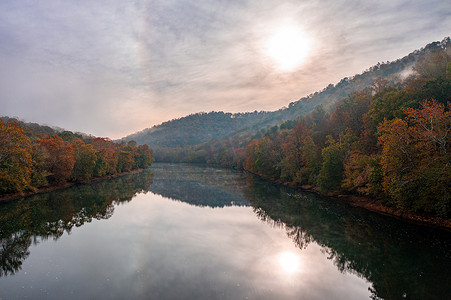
(299, 237)
(396, 257)
(48, 216)
(13, 251)
(199, 185)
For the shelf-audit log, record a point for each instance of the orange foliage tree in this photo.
(107, 157)
(60, 158)
(416, 158)
(16, 162)
(292, 153)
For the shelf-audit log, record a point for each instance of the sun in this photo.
(288, 46)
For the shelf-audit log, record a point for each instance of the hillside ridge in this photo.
(199, 128)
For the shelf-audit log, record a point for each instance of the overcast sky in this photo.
(113, 67)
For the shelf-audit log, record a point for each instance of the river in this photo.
(179, 231)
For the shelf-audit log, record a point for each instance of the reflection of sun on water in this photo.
(288, 46)
(289, 262)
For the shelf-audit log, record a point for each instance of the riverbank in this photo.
(373, 205)
(47, 189)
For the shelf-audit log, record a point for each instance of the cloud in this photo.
(114, 67)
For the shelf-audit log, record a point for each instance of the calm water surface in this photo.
(190, 232)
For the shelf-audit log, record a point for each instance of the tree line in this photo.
(405, 161)
(29, 162)
(170, 139)
(389, 141)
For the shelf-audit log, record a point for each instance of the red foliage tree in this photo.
(416, 158)
(60, 158)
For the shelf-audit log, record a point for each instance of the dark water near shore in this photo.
(191, 232)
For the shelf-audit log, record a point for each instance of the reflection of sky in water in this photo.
(199, 185)
(154, 248)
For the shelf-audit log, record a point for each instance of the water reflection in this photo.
(400, 259)
(289, 262)
(173, 249)
(200, 186)
(33, 219)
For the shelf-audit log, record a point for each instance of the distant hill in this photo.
(195, 129)
(200, 128)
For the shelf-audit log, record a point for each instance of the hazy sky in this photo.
(113, 67)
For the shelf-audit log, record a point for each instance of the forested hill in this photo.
(199, 128)
(34, 157)
(388, 139)
(397, 71)
(35, 130)
(195, 129)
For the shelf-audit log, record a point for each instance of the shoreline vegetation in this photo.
(384, 146)
(18, 195)
(376, 206)
(388, 143)
(370, 204)
(36, 158)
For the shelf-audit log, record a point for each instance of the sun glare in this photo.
(288, 46)
(289, 262)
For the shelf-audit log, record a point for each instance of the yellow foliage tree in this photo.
(16, 162)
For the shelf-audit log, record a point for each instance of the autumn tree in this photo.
(264, 156)
(416, 159)
(362, 174)
(349, 112)
(333, 158)
(40, 170)
(16, 161)
(251, 156)
(387, 104)
(101, 165)
(311, 157)
(292, 153)
(85, 161)
(60, 158)
(126, 157)
(107, 156)
(125, 162)
(331, 172)
(143, 157)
